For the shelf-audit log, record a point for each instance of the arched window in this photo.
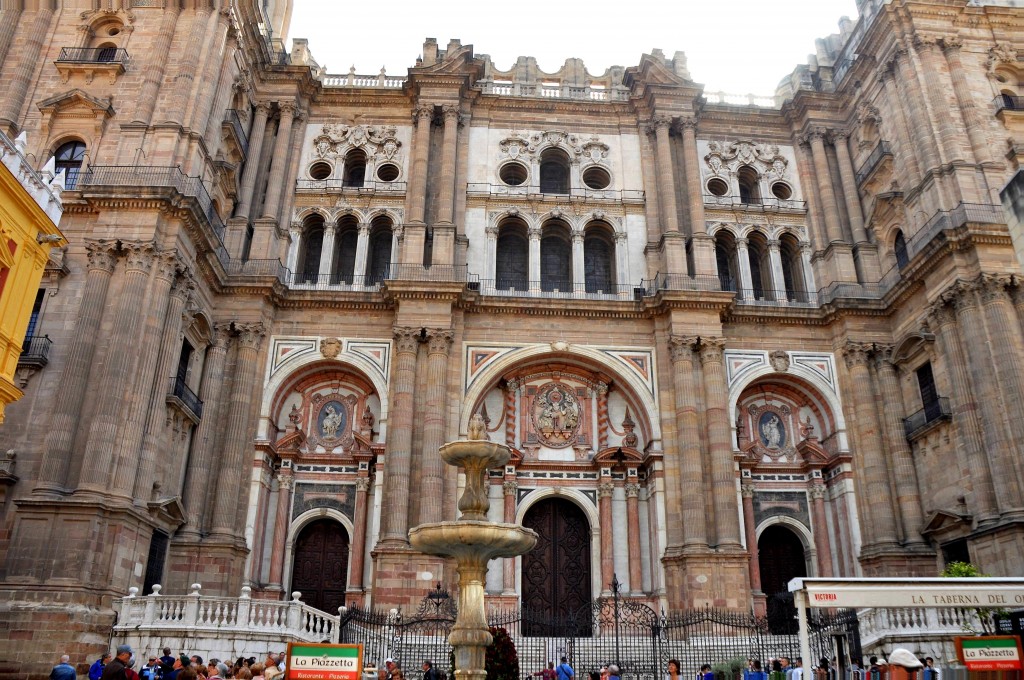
(792, 268)
(554, 172)
(69, 158)
(512, 258)
(311, 247)
(378, 257)
(760, 266)
(899, 247)
(346, 239)
(106, 53)
(725, 257)
(748, 182)
(555, 257)
(355, 168)
(599, 259)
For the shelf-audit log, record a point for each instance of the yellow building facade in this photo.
(30, 209)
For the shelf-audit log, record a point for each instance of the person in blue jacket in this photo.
(96, 669)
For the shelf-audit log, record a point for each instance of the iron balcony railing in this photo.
(1010, 102)
(881, 150)
(367, 187)
(233, 119)
(336, 281)
(271, 267)
(436, 272)
(184, 394)
(762, 204)
(92, 55)
(36, 350)
(933, 412)
(533, 191)
(519, 287)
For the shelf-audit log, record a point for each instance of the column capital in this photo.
(747, 489)
(711, 350)
(658, 122)
(509, 487)
(450, 112)
(138, 255)
(577, 236)
(856, 353)
(407, 339)
(952, 43)
(688, 123)
(184, 286)
(102, 254)
(491, 230)
(992, 288)
(816, 492)
(262, 108)
(363, 484)
(250, 335)
(604, 489)
(960, 295)
(741, 243)
(939, 313)
(423, 112)
(285, 480)
(221, 335)
(632, 490)
(168, 264)
(923, 42)
(882, 355)
(287, 108)
(533, 233)
(818, 133)
(839, 135)
(774, 243)
(439, 340)
(601, 388)
(682, 347)
(512, 385)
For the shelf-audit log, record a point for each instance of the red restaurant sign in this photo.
(990, 653)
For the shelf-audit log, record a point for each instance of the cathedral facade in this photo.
(730, 341)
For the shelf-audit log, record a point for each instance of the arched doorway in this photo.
(556, 573)
(781, 558)
(320, 569)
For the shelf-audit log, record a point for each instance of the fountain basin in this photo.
(472, 541)
(475, 454)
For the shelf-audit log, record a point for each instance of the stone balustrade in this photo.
(221, 627)
(926, 630)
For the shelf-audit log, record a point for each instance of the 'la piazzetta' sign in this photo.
(913, 596)
(324, 662)
(991, 653)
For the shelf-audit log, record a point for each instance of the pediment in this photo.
(812, 452)
(946, 521)
(652, 71)
(612, 456)
(79, 99)
(168, 510)
(459, 62)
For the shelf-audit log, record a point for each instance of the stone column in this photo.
(9, 19)
(779, 291)
(397, 459)
(362, 248)
(360, 524)
(534, 236)
(188, 61)
(327, 253)
(723, 469)
(805, 170)
(636, 580)
(155, 415)
(747, 491)
(449, 148)
(937, 90)
(880, 528)
(966, 418)
(204, 443)
(833, 225)
(622, 263)
(252, 161)
(604, 504)
(28, 58)
(74, 376)
(822, 544)
(684, 470)
(284, 210)
(490, 254)
(661, 125)
(965, 99)
(985, 387)
(279, 163)
(508, 572)
(703, 245)
(423, 116)
(919, 122)
(891, 408)
(153, 74)
(237, 442)
(97, 464)
(849, 180)
(432, 468)
(746, 285)
(808, 269)
(904, 151)
(285, 483)
(578, 267)
(511, 387)
(601, 393)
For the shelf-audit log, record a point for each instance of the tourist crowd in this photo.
(124, 665)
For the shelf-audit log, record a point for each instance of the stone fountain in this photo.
(472, 542)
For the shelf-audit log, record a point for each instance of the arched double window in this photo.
(899, 247)
(760, 266)
(346, 240)
(378, 256)
(556, 256)
(599, 258)
(554, 172)
(748, 181)
(69, 158)
(512, 263)
(725, 257)
(792, 268)
(355, 168)
(311, 246)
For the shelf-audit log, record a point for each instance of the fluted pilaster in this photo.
(685, 468)
(723, 469)
(439, 344)
(398, 457)
(252, 161)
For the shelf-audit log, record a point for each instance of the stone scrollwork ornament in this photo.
(330, 348)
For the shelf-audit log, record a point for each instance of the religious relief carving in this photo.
(556, 415)
(331, 425)
(367, 428)
(330, 348)
(380, 142)
(772, 439)
(724, 159)
(779, 360)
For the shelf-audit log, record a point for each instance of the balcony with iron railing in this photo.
(1008, 102)
(881, 151)
(181, 395)
(754, 204)
(233, 122)
(35, 351)
(347, 188)
(533, 192)
(924, 420)
(93, 55)
(555, 288)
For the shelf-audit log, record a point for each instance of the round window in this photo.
(320, 170)
(717, 187)
(596, 177)
(513, 174)
(782, 191)
(387, 172)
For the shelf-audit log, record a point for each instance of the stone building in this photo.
(730, 340)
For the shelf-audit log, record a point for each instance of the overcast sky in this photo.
(739, 46)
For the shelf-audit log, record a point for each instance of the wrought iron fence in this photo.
(608, 630)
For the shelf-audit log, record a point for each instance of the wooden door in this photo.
(556, 573)
(320, 568)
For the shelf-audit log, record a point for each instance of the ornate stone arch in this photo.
(733, 228)
(302, 214)
(802, 532)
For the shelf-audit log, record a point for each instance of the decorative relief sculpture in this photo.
(556, 415)
(332, 421)
(379, 141)
(519, 146)
(723, 158)
(771, 425)
(330, 348)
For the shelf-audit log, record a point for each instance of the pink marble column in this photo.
(508, 572)
(750, 533)
(822, 543)
(723, 468)
(359, 525)
(604, 506)
(636, 581)
(285, 482)
(602, 416)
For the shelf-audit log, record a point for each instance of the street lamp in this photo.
(615, 600)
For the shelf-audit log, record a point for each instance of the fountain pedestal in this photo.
(472, 542)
